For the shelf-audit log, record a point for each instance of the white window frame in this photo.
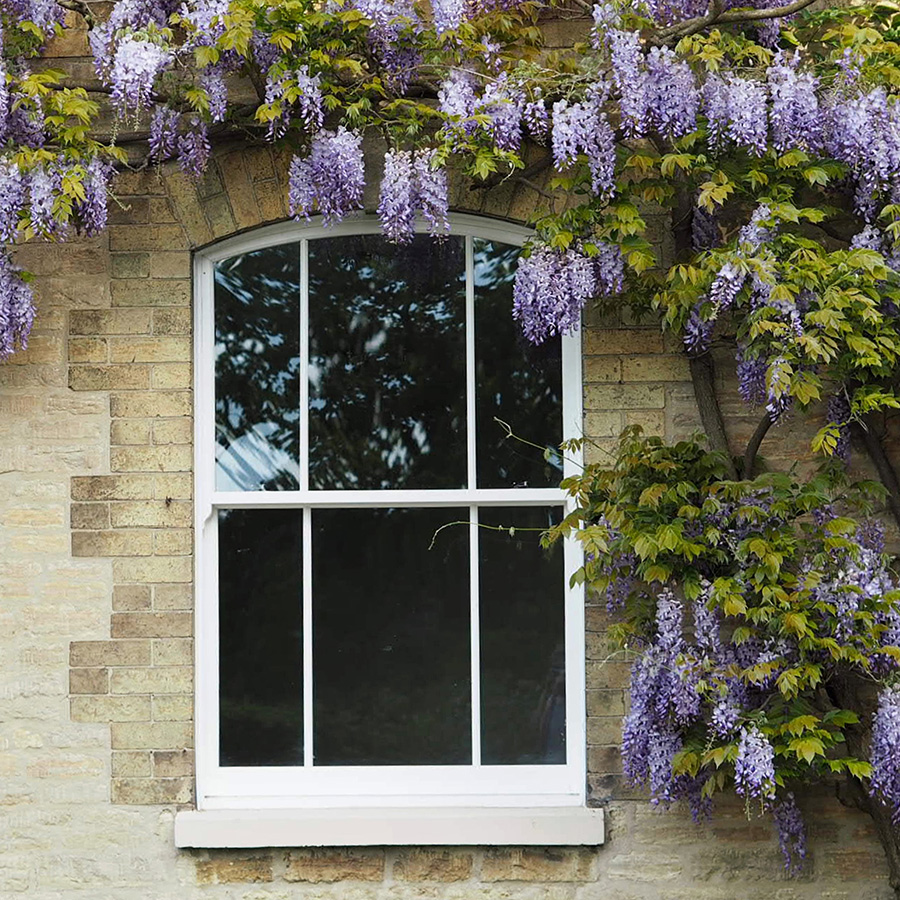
(544, 795)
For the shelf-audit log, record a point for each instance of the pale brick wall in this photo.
(96, 603)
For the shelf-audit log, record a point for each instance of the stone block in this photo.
(171, 321)
(168, 458)
(131, 764)
(151, 624)
(153, 680)
(432, 864)
(131, 597)
(621, 341)
(153, 570)
(109, 653)
(146, 237)
(624, 396)
(90, 516)
(112, 543)
(109, 378)
(231, 870)
(173, 596)
(172, 708)
(537, 864)
(173, 431)
(109, 709)
(129, 431)
(88, 350)
(171, 376)
(150, 292)
(150, 349)
(150, 735)
(151, 514)
(152, 791)
(109, 321)
(173, 763)
(88, 681)
(173, 652)
(112, 487)
(151, 404)
(335, 865)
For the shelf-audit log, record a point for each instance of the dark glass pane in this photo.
(258, 370)
(387, 392)
(516, 381)
(391, 635)
(522, 616)
(260, 637)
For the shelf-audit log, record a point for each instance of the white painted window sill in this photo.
(566, 826)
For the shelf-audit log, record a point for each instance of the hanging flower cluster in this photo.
(726, 686)
(413, 183)
(551, 287)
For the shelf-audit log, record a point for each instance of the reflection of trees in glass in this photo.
(260, 637)
(387, 363)
(516, 381)
(257, 304)
(391, 637)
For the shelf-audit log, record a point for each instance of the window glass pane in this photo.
(260, 637)
(387, 393)
(391, 636)
(258, 370)
(522, 618)
(516, 381)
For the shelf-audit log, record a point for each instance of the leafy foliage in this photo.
(787, 592)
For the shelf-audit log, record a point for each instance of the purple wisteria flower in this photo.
(12, 201)
(433, 192)
(44, 187)
(706, 624)
(135, 67)
(331, 178)
(448, 14)
(164, 133)
(754, 768)
(93, 209)
(778, 381)
(537, 119)
(726, 715)
(397, 203)
(885, 752)
(503, 104)
(212, 80)
(726, 286)
(16, 308)
(748, 114)
(412, 183)
(672, 97)
(751, 374)
(584, 128)
(308, 106)
(795, 116)
(791, 833)
(552, 286)
(457, 98)
(631, 80)
(870, 238)
(193, 148)
(698, 332)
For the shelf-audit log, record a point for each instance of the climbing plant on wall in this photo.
(768, 136)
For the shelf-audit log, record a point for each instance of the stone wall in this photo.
(96, 601)
(96, 609)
